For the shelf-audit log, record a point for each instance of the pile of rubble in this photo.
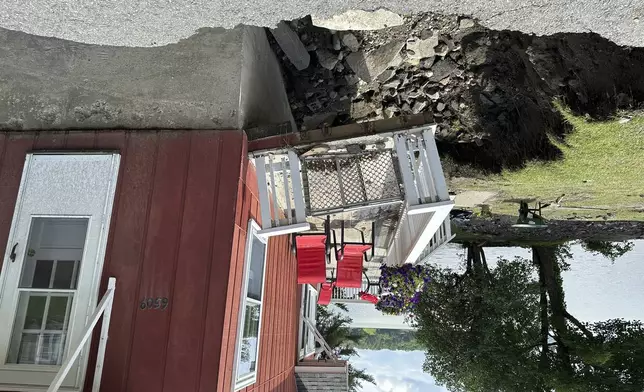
(493, 93)
(336, 77)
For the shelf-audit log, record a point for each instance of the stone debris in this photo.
(326, 59)
(359, 20)
(368, 75)
(369, 66)
(351, 42)
(292, 46)
(466, 23)
(418, 48)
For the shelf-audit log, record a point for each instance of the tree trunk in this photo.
(579, 325)
(545, 323)
(548, 266)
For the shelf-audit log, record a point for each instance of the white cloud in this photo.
(395, 371)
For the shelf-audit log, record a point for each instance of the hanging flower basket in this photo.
(401, 288)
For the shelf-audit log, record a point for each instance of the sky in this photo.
(595, 288)
(395, 371)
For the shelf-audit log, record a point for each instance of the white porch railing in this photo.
(280, 179)
(104, 309)
(442, 236)
(350, 294)
(420, 167)
(319, 338)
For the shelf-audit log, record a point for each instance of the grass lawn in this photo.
(601, 175)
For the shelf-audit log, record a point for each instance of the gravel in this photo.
(160, 22)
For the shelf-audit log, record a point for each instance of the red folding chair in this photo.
(350, 266)
(350, 257)
(325, 294)
(368, 297)
(313, 252)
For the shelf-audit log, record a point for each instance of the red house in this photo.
(173, 217)
(150, 260)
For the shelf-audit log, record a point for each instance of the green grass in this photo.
(601, 174)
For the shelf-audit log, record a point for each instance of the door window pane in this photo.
(65, 278)
(56, 313)
(35, 310)
(42, 274)
(52, 260)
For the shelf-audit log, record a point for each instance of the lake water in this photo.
(595, 288)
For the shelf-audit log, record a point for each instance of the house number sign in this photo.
(154, 303)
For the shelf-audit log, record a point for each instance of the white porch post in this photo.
(270, 202)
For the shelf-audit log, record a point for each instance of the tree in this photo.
(480, 327)
(509, 330)
(610, 250)
(334, 328)
(357, 377)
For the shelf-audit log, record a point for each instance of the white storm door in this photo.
(52, 264)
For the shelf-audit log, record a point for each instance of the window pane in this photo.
(35, 310)
(28, 349)
(42, 274)
(64, 277)
(249, 345)
(56, 313)
(51, 349)
(54, 245)
(256, 269)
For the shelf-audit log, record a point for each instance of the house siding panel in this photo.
(278, 337)
(172, 234)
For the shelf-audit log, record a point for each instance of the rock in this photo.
(441, 50)
(465, 23)
(314, 106)
(440, 106)
(427, 63)
(443, 68)
(394, 83)
(292, 46)
(369, 65)
(418, 48)
(361, 109)
(427, 33)
(419, 106)
(326, 59)
(445, 81)
(391, 111)
(434, 96)
(337, 45)
(350, 41)
(359, 20)
(314, 121)
(351, 79)
(454, 106)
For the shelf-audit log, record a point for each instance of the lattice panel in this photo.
(323, 184)
(338, 182)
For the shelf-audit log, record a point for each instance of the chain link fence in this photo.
(335, 183)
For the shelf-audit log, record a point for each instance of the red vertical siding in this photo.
(278, 337)
(178, 230)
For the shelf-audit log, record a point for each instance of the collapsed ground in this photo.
(494, 94)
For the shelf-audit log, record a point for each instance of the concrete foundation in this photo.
(216, 79)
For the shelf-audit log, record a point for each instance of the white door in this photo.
(52, 265)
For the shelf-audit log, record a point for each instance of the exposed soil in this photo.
(492, 92)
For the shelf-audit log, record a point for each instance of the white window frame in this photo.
(308, 309)
(252, 233)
